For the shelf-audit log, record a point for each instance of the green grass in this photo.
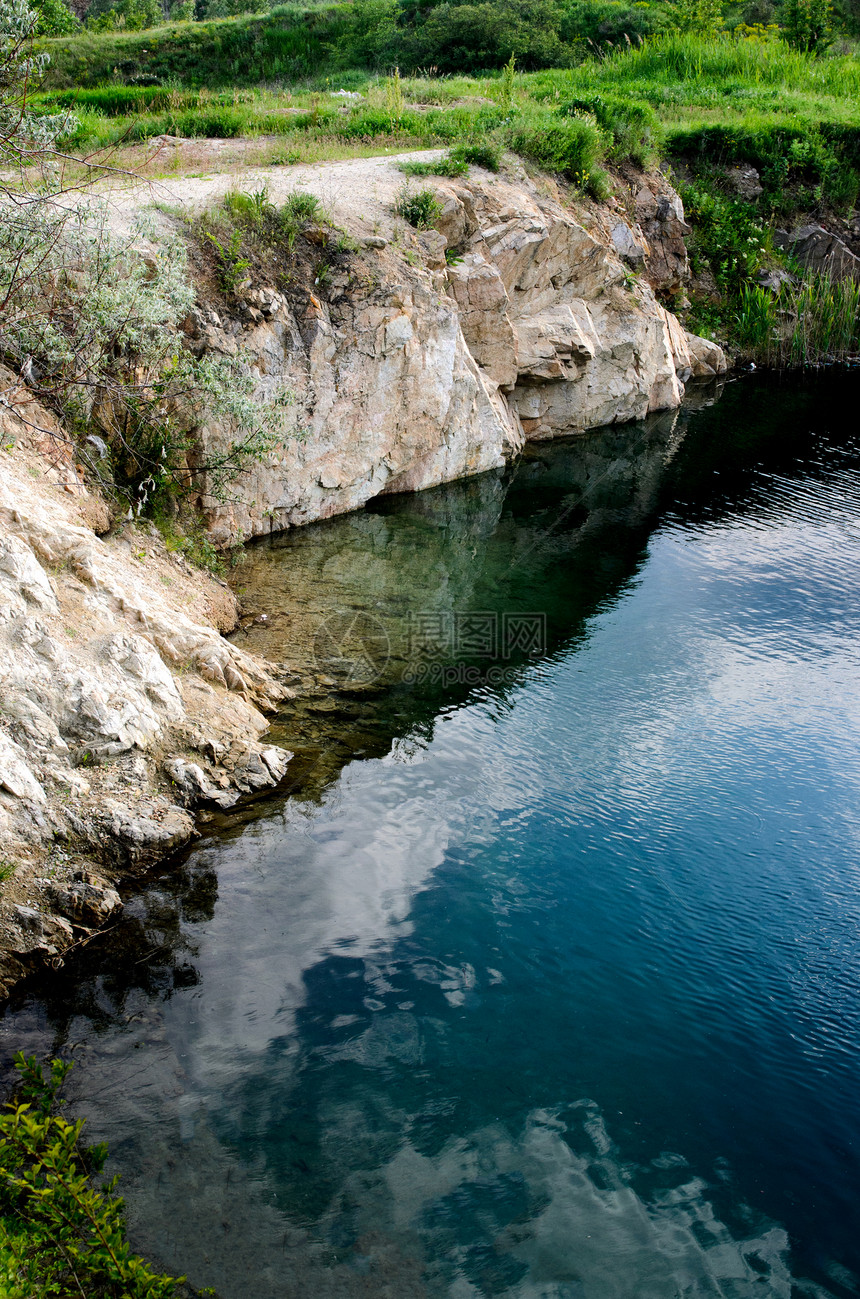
(702, 103)
(721, 98)
(288, 43)
(808, 323)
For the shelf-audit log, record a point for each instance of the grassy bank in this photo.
(714, 101)
(700, 103)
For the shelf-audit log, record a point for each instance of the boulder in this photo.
(745, 182)
(820, 251)
(87, 901)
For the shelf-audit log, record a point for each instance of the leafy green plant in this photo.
(506, 90)
(729, 235)
(485, 154)
(807, 24)
(301, 206)
(806, 323)
(60, 1235)
(185, 534)
(395, 102)
(569, 146)
(231, 264)
(700, 16)
(55, 19)
(248, 209)
(420, 208)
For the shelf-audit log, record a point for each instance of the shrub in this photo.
(228, 256)
(806, 24)
(598, 21)
(419, 208)
(445, 166)
(475, 36)
(59, 1234)
(55, 19)
(301, 206)
(484, 154)
(571, 147)
(728, 236)
(703, 17)
(632, 126)
(132, 15)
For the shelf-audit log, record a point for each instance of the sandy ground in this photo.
(357, 192)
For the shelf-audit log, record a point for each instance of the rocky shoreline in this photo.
(124, 709)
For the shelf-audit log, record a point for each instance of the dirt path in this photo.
(357, 192)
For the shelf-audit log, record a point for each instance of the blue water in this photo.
(541, 983)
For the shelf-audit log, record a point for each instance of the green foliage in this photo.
(807, 24)
(232, 8)
(482, 154)
(729, 237)
(420, 208)
(303, 207)
(467, 37)
(59, 1234)
(55, 19)
(184, 533)
(445, 166)
(806, 323)
(633, 127)
(506, 89)
(394, 101)
(597, 25)
(703, 17)
(570, 146)
(231, 265)
(130, 15)
(255, 224)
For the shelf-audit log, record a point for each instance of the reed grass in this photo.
(813, 322)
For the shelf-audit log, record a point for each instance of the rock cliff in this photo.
(425, 357)
(414, 359)
(121, 705)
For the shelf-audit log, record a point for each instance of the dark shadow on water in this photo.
(425, 604)
(561, 534)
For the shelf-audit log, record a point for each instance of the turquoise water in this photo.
(541, 979)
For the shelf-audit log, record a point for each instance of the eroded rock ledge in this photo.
(522, 315)
(122, 708)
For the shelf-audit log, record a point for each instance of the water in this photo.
(542, 981)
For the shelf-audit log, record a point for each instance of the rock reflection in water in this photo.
(343, 1047)
(446, 582)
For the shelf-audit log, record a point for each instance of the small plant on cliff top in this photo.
(481, 154)
(231, 264)
(92, 326)
(60, 1235)
(420, 208)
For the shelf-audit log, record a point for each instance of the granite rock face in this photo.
(417, 372)
(111, 674)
